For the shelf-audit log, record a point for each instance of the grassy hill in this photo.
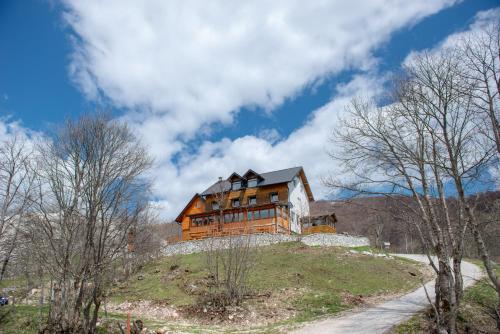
(289, 283)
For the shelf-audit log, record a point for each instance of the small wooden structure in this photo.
(319, 223)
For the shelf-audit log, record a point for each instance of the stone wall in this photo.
(331, 239)
(264, 239)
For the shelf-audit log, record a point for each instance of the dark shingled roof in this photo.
(276, 177)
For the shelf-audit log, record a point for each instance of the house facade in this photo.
(272, 202)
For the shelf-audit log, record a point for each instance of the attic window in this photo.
(236, 203)
(252, 183)
(236, 185)
(274, 197)
(215, 206)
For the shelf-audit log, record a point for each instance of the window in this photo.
(237, 217)
(264, 214)
(249, 216)
(236, 185)
(197, 222)
(256, 215)
(252, 183)
(271, 213)
(274, 197)
(215, 206)
(252, 200)
(236, 203)
(228, 217)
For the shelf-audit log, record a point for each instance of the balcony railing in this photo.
(246, 221)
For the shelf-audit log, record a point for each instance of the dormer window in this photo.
(274, 197)
(252, 183)
(215, 206)
(236, 185)
(236, 203)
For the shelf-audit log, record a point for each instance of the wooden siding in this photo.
(203, 207)
(198, 206)
(319, 229)
(262, 193)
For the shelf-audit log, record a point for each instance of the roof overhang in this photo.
(309, 193)
(179, 217)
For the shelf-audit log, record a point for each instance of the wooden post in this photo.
(128, 323)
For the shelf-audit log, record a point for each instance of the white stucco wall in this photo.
(297, 196)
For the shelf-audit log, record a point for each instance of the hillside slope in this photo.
(289, 283)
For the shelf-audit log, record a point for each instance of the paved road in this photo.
(381, 318)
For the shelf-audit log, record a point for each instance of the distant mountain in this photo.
(374, 216)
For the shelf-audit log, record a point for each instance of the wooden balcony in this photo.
(277, 224)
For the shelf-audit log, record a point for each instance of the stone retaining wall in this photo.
(264, 239)
(331, 239)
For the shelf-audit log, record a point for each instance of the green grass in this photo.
(324, 274)
(22, 319)
(317, 279)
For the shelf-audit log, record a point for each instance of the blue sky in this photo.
(59, 59)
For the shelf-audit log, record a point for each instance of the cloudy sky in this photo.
(213, 87)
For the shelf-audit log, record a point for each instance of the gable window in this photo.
(252, 200)
(236, 185)
(274, 197)
(236, 203)
(215, 206)
(252, 183)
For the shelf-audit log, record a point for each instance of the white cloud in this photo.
(183, 65)
(11, 128)
(201, 61)
(306, 146)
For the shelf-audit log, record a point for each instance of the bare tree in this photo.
(90, 193)
(422, 146)
(480, 55)
(229, 260)
(16, 182)
(379, 228)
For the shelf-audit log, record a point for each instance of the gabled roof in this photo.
(179, 217)
(250, 174)
(234, 176)
(269, 178)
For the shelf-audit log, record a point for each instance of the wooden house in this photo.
(272, 202)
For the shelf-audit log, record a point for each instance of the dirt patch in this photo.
(350, 299)
(256, 310)
(146, 309)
